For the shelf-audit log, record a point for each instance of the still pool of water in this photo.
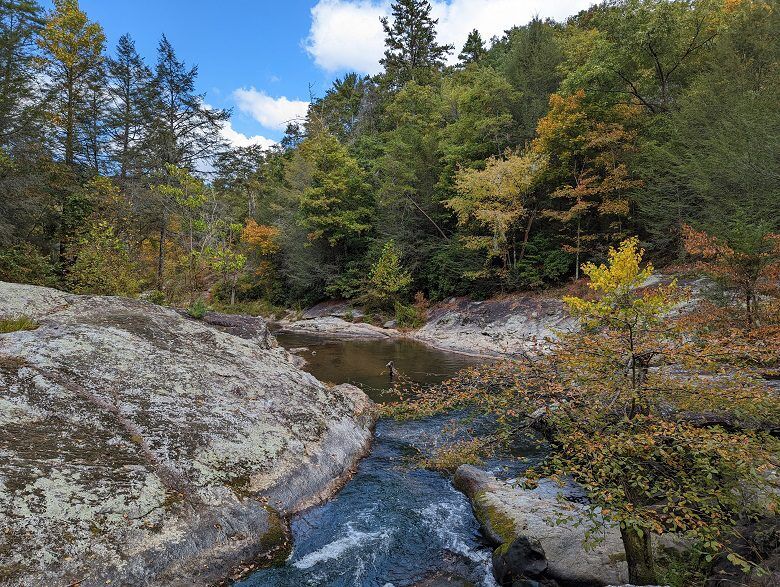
(363, 362)
(393, 524)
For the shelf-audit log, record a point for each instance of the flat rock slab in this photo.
(331, 326)
(139, 447)
(510, 326)
(539, 518)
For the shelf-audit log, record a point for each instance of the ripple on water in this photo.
(393, 524)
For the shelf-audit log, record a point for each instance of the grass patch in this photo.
(449, 457)
(16, 324)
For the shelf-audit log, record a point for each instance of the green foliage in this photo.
(543, 264)
(336, 205)
(101, 264)
(198, 309)
(8, 325)
(410, 39)
(25, 264)
(388, 282)
(412, 315)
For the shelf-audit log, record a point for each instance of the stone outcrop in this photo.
(334, 327)
(140, 447)
(498, 327)
(538, 534)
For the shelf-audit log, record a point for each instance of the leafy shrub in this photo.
(25, 264)
(156, 296)
(16, 324)
(198, 309)
(101, 264)
(449, 457)
(412, 316)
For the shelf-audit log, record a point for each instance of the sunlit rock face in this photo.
(139, 446)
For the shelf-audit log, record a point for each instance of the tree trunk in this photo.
(161, 256)
(639, 556)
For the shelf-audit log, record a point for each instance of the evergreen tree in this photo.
(531, 66)
(19, 97)
(336, 206)
(473, 50)
(411, 50)
(184, 131)
(129, 90)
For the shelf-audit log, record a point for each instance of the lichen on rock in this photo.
(141, 447)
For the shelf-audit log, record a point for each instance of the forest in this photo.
(534, 154)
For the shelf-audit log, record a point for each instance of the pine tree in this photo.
(19, 103)
(73, 48)
(473, 50)
(129, 90)
(411, 48)
(185, 132)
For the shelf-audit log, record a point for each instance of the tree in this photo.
(715, 156)
(657, 452)
(387, 281)
(641, 51)
(20, 100)
(497, 199)
(473, 49)
(746, 259)
(73, 48)
(337, 205)
(532, 67)
(127, 120)
(411, 50)
(588, 171)
(184, 131)
(227, 260)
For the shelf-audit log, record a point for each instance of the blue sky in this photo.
(259, 57)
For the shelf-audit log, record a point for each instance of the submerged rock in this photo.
(139, 447)
(538, 534)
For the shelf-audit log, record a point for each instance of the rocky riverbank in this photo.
(138, 446)
(508, 326)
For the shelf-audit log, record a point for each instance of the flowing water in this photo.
(393, 524)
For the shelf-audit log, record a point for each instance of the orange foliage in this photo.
(262, 237)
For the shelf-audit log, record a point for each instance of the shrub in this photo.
(25, 264)
(198, 309)
(388, 281)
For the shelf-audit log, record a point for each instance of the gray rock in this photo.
(537, 520)
(519, 324)
(139, 447)
(331, 326)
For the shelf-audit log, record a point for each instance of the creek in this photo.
(393, 524)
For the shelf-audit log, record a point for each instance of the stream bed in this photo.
(393, 524)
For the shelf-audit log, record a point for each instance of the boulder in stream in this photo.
(531, 544)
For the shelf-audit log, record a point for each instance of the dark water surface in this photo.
(393, 524)
(363, 362)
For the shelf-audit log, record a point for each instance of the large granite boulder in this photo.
(538, 533)
(140, 447)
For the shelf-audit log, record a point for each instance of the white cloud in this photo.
(347, 34)
(272, 113)
(239, 139)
